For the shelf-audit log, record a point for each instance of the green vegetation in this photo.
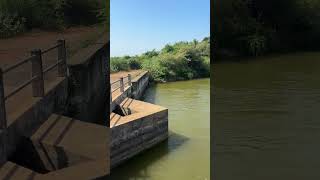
(17, 16)
(252, 27)
(180, 61)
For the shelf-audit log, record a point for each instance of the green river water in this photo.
(186, 153)
(266, 118)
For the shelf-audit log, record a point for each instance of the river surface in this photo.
(186, 153)
(266, 121)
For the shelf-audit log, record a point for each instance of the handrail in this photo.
(36, 80)
(50, 49)
(16, 65)
(26, 83)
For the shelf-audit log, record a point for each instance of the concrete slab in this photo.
(140, 109)
(13, 171)
(86, 139)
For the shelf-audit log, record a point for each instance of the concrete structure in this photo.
(135, 125)
(42, 138)
(69, 126)
(140, 126)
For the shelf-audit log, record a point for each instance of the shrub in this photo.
(10, 25)
(180, 61)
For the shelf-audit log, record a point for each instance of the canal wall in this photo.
(139, 85)
(36, 114)
(89, 84)
(140, 126)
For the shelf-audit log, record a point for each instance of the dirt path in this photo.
(17, 48)
(116, 76)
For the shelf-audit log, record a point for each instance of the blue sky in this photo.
(140, 25)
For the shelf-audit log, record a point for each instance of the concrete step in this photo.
(82, 138)
(62, 148)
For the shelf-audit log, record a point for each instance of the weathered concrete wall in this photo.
(3, 156)
(131, 138)
(140, 84)
(89, 84)
(27, 123)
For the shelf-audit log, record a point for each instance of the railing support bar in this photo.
(121, 85)
(3, 123)
(62, 58)
(38, 82)
(129, 79)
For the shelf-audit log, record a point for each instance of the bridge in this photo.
(67, 121)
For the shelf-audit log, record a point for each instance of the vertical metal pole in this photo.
(3, 123)
(62, 58)
(110, 94)
(129, 79)
(121, 85)
(38, 82)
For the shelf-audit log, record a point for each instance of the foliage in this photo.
(255, 27)
(10, 25)
(180, 61)
(54, 14)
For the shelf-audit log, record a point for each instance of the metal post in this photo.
(38, 82)
(121, 85)
(3, 115)
(129, 79)
(62, 58)
(110, 92)
(3, 123)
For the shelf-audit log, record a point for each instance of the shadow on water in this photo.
(138, 166)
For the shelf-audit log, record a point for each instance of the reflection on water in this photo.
(185, 155)
(267, 118)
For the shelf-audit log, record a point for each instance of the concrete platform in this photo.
(139, 109)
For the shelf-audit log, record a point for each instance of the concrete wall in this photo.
(89, 84)
(129, 139)
(28, 122)
(3, 153)
(140, 84)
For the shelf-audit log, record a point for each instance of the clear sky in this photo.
(140, 25)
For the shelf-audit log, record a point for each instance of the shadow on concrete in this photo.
(138, 166)
(150, 94)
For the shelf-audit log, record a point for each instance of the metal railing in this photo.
(120, 84)
(36, 79)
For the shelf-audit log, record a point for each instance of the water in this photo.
(266, 121)
(186, 154)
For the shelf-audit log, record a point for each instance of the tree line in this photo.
(256, 27)
(17, 16)
(179, 61)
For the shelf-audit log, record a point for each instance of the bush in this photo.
(56, 14)
(11, 25)
(180, 61)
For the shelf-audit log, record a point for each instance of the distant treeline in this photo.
(255, 27)
(180, 61)
(17, 16)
